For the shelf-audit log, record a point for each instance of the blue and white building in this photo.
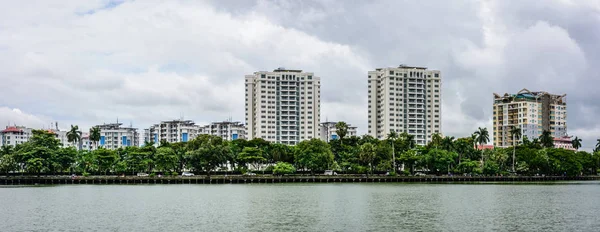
(172, 131)
(114, 136)
(227, 130)
(328, 131)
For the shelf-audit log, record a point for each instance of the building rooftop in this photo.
(11, 129)
(525, 95)
(282, 69)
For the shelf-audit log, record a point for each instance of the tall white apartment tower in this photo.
(283, 106)
(405, 99)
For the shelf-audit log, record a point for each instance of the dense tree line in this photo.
(209, 154)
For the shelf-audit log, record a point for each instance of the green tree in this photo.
(280, 153)
(35, 165)
(576, 143)
(8, 164)
(597, 148)
(436, 140)
(314, 155)
(74, 135)
(392, 136)
(252, 156)
(207, 153)
(482, 137)
(367, 155)
(448, 143)
(283, 168)
(95, 135)
(65, 157)
(165, 159)
(105, 159)
(341, 129)
(546, 139)
(410, 159)
(516, 134)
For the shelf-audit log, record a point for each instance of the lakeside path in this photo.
(267, 179)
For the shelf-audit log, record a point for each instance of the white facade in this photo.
(172, 131)
(227, 130)
(328, 131)
(405, 99)
(113, 136)
(283, 106)
(13, 135)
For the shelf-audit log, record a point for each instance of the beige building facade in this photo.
(405, 99)
(283, 106)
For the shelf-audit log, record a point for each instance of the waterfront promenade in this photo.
(268, 179)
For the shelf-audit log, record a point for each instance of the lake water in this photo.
(303, 207)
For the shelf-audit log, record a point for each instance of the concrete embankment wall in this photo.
(29, 180)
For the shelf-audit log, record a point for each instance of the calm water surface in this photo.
(303, 207)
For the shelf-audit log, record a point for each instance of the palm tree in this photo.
(516, 133)
(597, 146)
(392, 136)
(95, 135)
(474, 140)
(482, 137)
(448, 143)
(74, 135)
(367, 154)
(546, 139)
(341, 129)
(436, 140)
(576, 143)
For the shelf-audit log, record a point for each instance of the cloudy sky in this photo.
(90, 62)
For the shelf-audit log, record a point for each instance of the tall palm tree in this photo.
(516, 133)
(576, 143)
(436, 140)
(74, 135)
(474, 140)
(546, 139)
(597, 146)
(392, 136)
(482, 137)
(341, 129)
(95, 135)
(448, 143)
(367, 154)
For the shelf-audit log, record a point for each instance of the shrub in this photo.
(283, 168)
(86, 174)
(152, 174)
(174, 173)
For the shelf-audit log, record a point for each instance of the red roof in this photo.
(485, 146)
(12, 129)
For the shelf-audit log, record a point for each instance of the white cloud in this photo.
(86, 62)
(17, 117)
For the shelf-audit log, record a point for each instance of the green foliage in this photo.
(283, 168)
(546, 139)
(252, 156)
(314, 155)
(341, 129)
(206, 153)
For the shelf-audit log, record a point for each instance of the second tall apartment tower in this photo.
(283, 106)
(405, 99)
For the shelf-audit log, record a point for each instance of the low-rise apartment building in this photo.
(329, 131)
(532, 112)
